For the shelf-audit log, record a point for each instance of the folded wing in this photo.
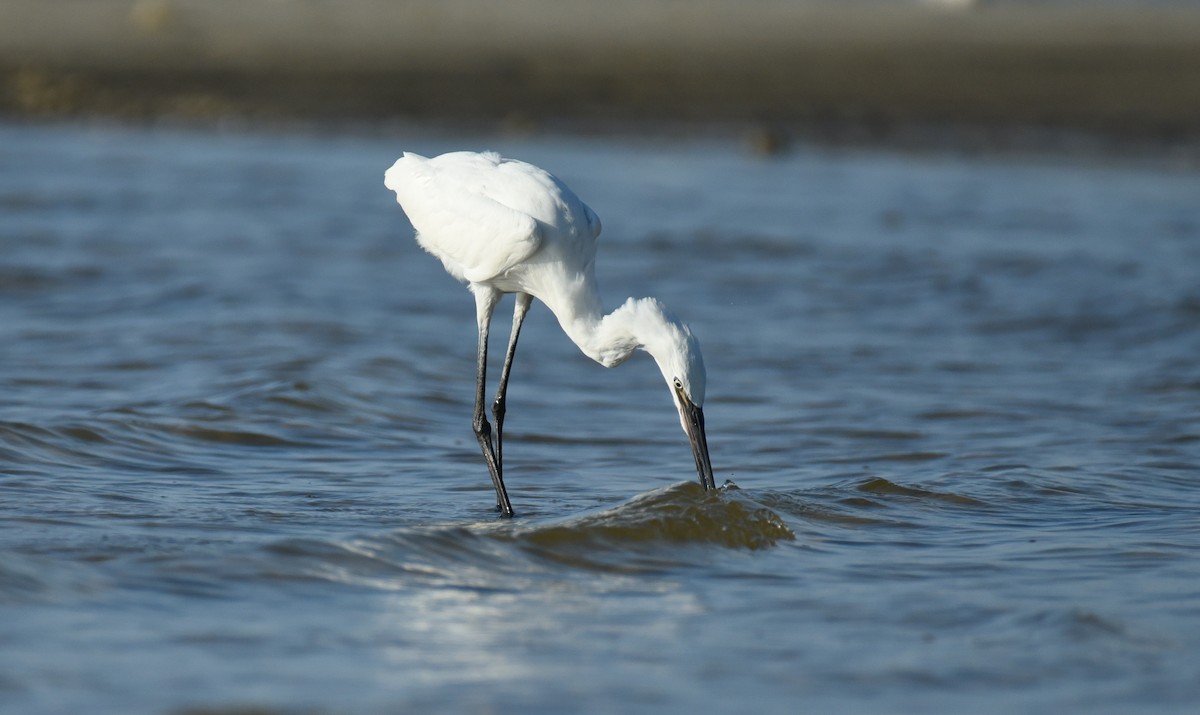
(448, 203)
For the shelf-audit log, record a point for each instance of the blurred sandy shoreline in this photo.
(859, 67)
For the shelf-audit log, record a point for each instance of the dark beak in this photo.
(693, 424)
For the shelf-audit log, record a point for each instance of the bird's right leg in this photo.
(485, 302)
(498, 407)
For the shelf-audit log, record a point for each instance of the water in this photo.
(958, 397)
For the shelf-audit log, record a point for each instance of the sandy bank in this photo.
(1135, 71)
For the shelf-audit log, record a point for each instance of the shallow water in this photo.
(958, 397)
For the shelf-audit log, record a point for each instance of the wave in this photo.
(679, 514)
(664, 528)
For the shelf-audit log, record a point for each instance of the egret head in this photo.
(677, 353)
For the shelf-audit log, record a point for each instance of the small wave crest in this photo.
(655, 530)
(29, 579)
(678, 514)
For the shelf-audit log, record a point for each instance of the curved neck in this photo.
(639, 323)
(610, 339)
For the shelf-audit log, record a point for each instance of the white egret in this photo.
(504, 226)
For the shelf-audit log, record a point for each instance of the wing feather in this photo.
(446, 200)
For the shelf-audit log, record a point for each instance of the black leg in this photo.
(485, 302)
(498, 408)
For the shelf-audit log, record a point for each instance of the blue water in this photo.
(957, 398)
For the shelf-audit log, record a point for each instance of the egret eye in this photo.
(678, 384)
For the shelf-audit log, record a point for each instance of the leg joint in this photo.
(481, 426)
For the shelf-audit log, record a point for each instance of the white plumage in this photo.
(504, 226)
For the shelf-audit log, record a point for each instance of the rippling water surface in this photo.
(957, 397)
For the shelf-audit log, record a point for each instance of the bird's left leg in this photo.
(522, 307)
(485, 301)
